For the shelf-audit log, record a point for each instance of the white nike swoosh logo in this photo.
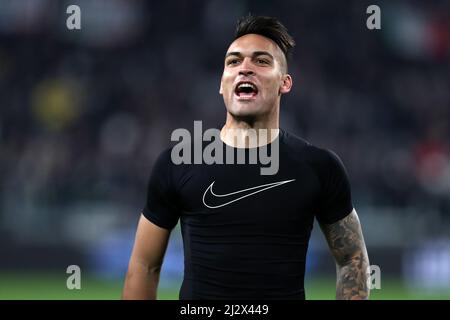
(258, 189)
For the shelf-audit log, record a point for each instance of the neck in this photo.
(250, 132)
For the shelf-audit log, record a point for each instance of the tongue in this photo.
(246, 94)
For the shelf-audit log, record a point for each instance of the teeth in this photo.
(246, 85)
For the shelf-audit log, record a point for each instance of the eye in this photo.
(262, 61)
(232, 62)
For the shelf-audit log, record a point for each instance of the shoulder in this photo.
(310, 152)
(293, 141)
(164, 159)
(322, 160)
(168, 168)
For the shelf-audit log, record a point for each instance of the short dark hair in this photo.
(268, 27)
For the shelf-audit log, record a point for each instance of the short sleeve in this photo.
(160, 207)
(335, 198)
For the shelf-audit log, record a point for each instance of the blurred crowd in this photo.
(84, 113)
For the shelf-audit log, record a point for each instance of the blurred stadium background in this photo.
(83, 114)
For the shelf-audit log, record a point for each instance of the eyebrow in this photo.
(255, 54)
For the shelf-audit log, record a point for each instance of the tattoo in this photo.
(347, 245)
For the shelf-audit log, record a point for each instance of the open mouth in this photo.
(246, 90)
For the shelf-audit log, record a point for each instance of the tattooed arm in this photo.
(347, 245)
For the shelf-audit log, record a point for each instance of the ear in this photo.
(286, 84)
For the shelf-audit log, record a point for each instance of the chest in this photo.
(224, 194)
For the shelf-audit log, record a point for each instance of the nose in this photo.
(245, 68)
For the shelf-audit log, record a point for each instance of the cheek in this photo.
(227, 82)
(272, 86)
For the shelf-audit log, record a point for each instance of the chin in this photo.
(247, 109)
(245, 115)
(243, 110)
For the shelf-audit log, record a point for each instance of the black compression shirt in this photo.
(245, 235)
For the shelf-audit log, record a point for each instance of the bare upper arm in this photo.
(150, 244)
(345, 238)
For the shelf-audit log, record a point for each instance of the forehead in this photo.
(255, 42)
